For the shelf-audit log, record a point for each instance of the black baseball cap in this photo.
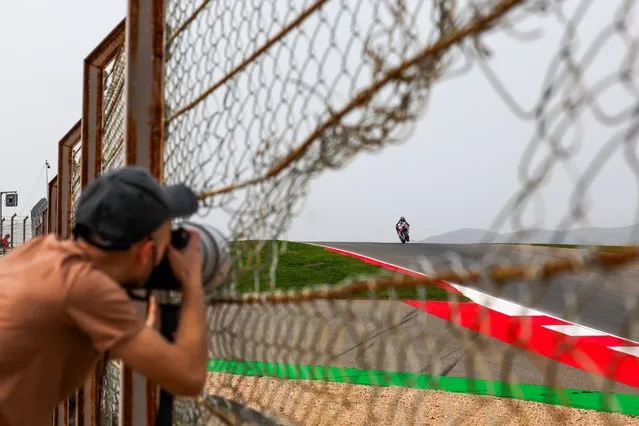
(125, 205)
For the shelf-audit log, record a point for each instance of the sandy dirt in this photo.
(322, 403)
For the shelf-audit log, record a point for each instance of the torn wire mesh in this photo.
(262, 97)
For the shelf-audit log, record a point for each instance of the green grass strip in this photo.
(575, 398)
(300, 266)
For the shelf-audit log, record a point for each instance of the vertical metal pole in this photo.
(12, 219)
(144, 125)
(2, 218)
(52, 212)
(65, 148)
(88, 402)
(92, 122)
(66, 411)
(144, 119)
(64, 191)
(46, 178)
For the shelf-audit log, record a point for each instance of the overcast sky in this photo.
(457, 170)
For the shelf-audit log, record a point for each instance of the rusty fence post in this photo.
(49, 225)
(93, 101)
(63, 210)
(144, 124)
(93, 123)
(52, 208)
(24, 230)
(65, 159)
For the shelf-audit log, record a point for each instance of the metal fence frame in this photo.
(142, 32)
(65, 158)
(92, 101)
(145, 85)
(144, 124)
(60, 197)
(51, 225)
(88, 405)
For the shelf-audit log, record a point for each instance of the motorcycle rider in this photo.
(401, 221)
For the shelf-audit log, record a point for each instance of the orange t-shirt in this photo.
(58, 313)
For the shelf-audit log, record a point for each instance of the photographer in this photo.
(64, 304)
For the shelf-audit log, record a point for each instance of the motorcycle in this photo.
(402, 232)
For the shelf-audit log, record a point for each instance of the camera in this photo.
(216, 259)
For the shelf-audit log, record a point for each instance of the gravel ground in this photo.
(323, 403)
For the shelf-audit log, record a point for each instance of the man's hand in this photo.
(187, 263)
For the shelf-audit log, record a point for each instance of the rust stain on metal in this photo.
(59, 198)
(72, 136)
(52, 212)
(85, 120)
(130, 142)
(95, 396)
(66, 411)
(65, 146)
(143, 138)
(145, 102)
(126, 396)
(69, 203)
(104, 52)
(157, 105)
(68, 190)
(151, 403)
(79, 407)
(94, 65)
(133, 21)
(90, 140)
(99, 131)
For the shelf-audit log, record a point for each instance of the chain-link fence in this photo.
(18, 228)
(76, 175)
(262, 97)
(113, 141)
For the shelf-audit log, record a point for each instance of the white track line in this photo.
(630, 350)
(575, 330)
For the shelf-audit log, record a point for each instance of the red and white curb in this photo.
(572, 344)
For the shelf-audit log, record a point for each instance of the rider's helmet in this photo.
(401, 219)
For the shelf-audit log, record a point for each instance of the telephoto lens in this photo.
(216, 259)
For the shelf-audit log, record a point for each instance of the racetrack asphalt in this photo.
(602, 301)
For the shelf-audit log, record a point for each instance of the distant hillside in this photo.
(604, 236)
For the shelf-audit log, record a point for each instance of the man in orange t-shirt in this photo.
(63, 303)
